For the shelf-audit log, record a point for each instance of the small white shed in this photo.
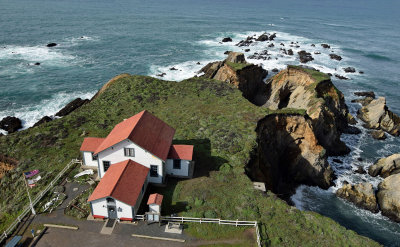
(154, 202)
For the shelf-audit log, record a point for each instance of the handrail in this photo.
(26, 209)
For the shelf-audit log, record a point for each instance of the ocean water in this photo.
(100, 39)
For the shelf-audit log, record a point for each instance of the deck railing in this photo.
(27, 208)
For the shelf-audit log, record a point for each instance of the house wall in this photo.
(154, 208)
(115, 154)
(183, 172)
(140, 198)
(99, 207)
(87, 159)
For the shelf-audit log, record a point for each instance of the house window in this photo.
(153, 171)
(94, 157)
(106, 165)
(177, 164)
(129, 152)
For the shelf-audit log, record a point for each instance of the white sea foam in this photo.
(48, 107)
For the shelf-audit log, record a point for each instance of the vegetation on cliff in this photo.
(210, 114)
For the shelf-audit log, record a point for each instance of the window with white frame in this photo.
(153, 171)
(106, 165)
(129, 152)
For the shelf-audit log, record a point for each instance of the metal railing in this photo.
(27, 208)
(210, 220)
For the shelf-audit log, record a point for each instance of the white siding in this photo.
(98, 209)
(183, 172)
(126, 210)
(87, 159)
(154, 208)
(116, 154)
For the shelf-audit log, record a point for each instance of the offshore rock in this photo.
(378, 134)
(386, 166)
(305, 57)
(389, 197)
(376, 115)
(335, 57)
(362, 195)
(227, 39)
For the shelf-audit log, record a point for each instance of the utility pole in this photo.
(29, 196)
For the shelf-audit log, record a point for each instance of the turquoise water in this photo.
(100, 39)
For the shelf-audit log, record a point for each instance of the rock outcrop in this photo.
(305, 57)
(235, 70)
(6, 164)
(335, 57)
(386, 166)
(43, 120)
(10, 124)
(288, 154)
(71, 106)
(389, 197)
(303, 88)
(376, 115)
(378, 134)
(362, 195)
(227, 39)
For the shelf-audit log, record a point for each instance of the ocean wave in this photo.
(378, 57)
(29, 115)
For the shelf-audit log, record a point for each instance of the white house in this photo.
(119, 193)
(144, 141)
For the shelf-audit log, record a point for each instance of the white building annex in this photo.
(141, 140)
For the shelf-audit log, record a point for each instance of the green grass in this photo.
(212, 116)
(237, 66)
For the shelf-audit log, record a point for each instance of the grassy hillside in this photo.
(209, 114)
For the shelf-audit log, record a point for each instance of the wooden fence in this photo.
(27, 208)
(210, 220)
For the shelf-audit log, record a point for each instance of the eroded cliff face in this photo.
(288, 154)
(301, 88)
(247, 77)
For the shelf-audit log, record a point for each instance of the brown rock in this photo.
(71, 106)
(389, 197)
(362, 195)
(365, 94)
(378, 134)
(386, 166)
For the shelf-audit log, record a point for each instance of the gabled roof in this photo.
(90, 144)
(122, 181)
(155, 199)
(145, 130)
(181, 152)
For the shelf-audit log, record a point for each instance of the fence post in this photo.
(5, 234)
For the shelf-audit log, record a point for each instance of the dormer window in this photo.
(129, 152)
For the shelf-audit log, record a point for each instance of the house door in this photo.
(112, 212)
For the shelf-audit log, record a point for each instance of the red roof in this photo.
(181, 152)
(90, 144)
(145, 130)
(155, 199)
(122, 181)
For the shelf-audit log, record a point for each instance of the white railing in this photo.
(211, 220)
(27, 208)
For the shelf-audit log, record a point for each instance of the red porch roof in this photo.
(122, 181)
(181, 152)
(90, 144)
(155, 199)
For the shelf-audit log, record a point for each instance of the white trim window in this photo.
(106, 165)
(153, 171)
(129, 152)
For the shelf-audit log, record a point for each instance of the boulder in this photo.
(263, 37)
(173, 68)
(386, 166)
(317, 52)
(272, 36)
(227, 39)
(37, 64)
(349, 70)
(365, 94)
(246, 50)
(71, 106)
(236, 57)
(275, 70)
(245, 42)
(290, 52)
(10, 124)
(305, 56)
(378, 134)
(341, 77)
(389, 197)
(326, 46)
(51, 44)
(360, 170)
(43, 120)
(376, 115)
(335, 57)
(362, 195)
(363, 101)
(161, 75)
(288, 154)
(271, 45)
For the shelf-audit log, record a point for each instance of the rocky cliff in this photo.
(305, 88)
(389, 197)
(362, 195)
(288, 154)
(247, 77)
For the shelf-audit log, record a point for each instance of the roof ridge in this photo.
(119, 178)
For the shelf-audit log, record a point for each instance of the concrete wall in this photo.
(183, 172)
(115, 154)
(87, 159)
